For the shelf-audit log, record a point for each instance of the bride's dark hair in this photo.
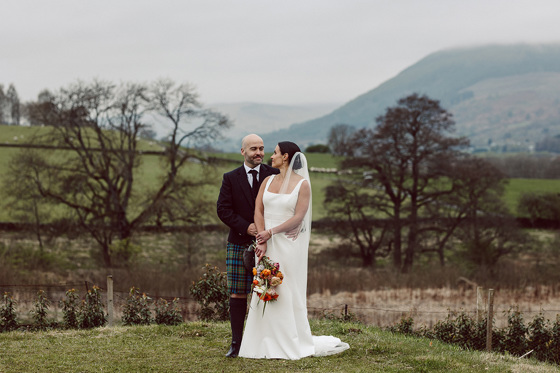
(290, 148)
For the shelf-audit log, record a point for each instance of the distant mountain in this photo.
(499, 95)
(250, 117)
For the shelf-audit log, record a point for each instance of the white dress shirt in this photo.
(249, 176)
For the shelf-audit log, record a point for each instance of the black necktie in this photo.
(255, 187)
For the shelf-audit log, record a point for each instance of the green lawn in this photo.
(517, 187)
(200, 347)
(151, 169)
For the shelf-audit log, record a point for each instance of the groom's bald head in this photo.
(252, 148)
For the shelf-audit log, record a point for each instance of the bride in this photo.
(283, 206)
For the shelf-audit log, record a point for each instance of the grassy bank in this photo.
(200, 347)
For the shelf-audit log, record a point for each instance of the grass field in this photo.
(517, 187)
(151, 169)
(200, 347)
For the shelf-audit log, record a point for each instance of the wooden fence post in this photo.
(110, 314)
(480, 305)
(489, 320)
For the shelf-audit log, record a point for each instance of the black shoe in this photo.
(233, 350)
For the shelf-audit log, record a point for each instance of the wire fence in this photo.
(487, 325)
(372, 315)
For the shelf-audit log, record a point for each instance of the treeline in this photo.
(10, 106)
(528, 166)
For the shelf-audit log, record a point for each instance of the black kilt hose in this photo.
(239, 280)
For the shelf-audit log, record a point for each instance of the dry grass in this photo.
(169, 262)
(384, 307)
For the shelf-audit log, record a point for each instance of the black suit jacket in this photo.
(236, 204)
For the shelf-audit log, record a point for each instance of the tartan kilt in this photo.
(239, 280)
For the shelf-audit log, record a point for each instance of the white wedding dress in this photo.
(283, 332)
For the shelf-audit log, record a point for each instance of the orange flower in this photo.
(265, 273)
(266, 297)
(279, 274)
(254, 271)
(255, 282)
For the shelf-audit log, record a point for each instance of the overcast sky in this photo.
(280, 52)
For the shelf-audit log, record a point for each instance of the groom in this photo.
(236, 206)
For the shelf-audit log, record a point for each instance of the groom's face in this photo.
(253, 152)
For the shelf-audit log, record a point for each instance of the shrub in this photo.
(464, 330)
(555, 341)
(445, 330)
(515, 336)
(70, 309)
(8, 318)
(168, 313)
(91, 313)
(136, 311)
(540, 338)
(404, 326)
(479, 334)
(318, 148)
(40, 311)
(211, 293)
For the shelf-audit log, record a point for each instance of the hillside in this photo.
(499, 95)
(250, 117)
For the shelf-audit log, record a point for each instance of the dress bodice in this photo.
(280, 206)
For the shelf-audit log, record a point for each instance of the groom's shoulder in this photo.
(270, 169)
(235, 171)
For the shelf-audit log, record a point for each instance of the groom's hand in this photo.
(252, 230)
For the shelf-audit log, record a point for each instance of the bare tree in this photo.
(477, 190)
(23, 201)
(339, 139)
(353, 210)
(14, 105)
(42, 111)
(96, 174)
(407, 155)
(3, 105)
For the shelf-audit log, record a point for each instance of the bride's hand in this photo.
(260, 251)
(263, 236)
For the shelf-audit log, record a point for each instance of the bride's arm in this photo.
(259, 207)
(294, 222)
(260, 250)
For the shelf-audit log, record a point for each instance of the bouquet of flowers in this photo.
(267, 277)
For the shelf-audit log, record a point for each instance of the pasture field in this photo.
(151, 169)
(200, 347)
(517, 187)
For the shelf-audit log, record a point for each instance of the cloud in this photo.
(283, 52)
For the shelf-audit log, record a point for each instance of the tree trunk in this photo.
(106, 255)
(412, 235)
(397, 238)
